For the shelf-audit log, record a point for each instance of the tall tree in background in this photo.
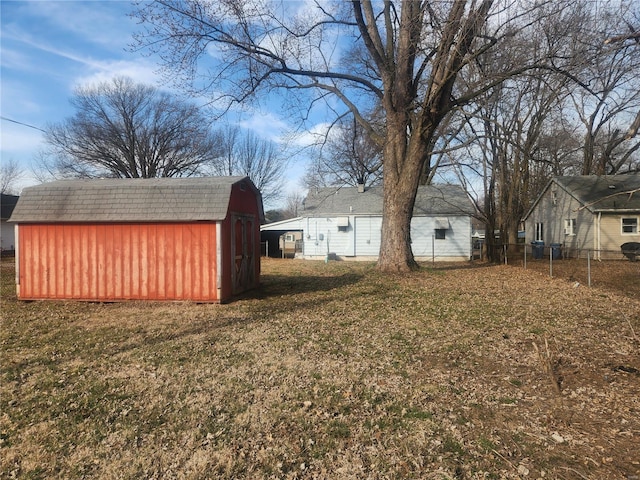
(407, 56)
(294, 204)
(245, 154)
(128, 130)
(632, 35)
(608, 97)
(10, 173)
(554, 121)
(348, 157)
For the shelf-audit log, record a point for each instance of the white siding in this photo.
(322, 237)
(456, 244)
(361, 239)
(367, 232)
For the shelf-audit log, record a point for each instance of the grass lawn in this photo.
(329, 371)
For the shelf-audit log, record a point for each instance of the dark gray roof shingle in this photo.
(430, 200)
(604, 193)
(127, 200)
(7, 204)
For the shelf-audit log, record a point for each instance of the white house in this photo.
(346, 223)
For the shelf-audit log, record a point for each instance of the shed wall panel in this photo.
(118, 261)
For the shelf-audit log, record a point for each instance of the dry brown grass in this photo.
(619, 276)
(329, 371)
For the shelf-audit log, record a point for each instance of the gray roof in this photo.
(128, 200)
(430, 200)
(7, 204)
(605, 193)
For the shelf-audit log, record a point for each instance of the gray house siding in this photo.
(554, 207)
(597, 205)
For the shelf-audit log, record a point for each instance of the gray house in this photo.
(586, 213)
(346, 223)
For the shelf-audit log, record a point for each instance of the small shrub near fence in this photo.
(602, 268)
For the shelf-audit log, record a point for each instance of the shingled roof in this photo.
(128, 200)
(430, 200)
(7, 204)
(608, 193)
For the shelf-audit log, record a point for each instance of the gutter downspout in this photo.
(598, 233)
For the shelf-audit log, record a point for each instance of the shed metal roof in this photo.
(128, 200)
(430, 200)
(607, 193)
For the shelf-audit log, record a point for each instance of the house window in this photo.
(288, 238)
(539, 232)
(630, 225)
(441, 233)
(570, 226)
(343, 224)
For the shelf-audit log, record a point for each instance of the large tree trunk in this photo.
(404, 158)
(396, 255)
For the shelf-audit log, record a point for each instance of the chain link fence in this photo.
(609, 269)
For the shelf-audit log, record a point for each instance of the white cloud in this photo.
(312, 136)
(266, 125)
(104, 71)
(104, 23)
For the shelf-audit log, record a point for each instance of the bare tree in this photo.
(129, 130)
(10, 173)
(406, 56)
(246, 154)
(632, 35)
(348, 157)
(608, 98)
(293, 205)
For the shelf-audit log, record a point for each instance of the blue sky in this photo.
(47, 48)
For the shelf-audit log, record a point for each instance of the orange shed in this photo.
(144, 239)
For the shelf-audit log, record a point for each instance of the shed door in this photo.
(243, 254)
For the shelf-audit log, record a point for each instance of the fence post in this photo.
(433, 250)
(506, 262)
(551, 262)
(525, 256)
(589, 268)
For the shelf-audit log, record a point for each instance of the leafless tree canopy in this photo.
(10, 173)
(348, 157)
(420, 61)
(123, 129)
(245, 154)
